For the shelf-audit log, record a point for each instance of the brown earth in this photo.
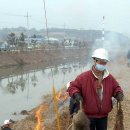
(47, 57)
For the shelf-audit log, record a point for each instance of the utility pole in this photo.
(27, 16)
(64, 29)
(103, 30)
(64, 26)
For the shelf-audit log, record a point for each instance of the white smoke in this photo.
(116, 44)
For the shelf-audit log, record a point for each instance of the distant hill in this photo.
(87, 35)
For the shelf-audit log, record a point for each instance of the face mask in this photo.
(100, 67)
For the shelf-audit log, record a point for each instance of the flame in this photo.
(39, 125)
(62, 96)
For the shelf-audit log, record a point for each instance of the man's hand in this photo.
(120, 96)
(78, 97)
(73, 106)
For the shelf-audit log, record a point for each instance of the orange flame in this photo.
(39, 125)
(61, 96)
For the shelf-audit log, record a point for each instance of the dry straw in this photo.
(119, 118)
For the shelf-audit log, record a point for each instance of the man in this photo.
(7, 125)
(95, 88)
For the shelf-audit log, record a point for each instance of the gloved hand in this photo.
(120, 96)
(78, 97)
(73, 106)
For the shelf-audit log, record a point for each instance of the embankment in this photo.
(8, 59)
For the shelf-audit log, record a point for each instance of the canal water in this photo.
(24, 90)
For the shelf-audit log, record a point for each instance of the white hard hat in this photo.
(7, 122)
(100, 53)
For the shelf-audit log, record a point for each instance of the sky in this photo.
(76, 14)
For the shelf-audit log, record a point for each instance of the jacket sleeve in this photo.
(117, 88)
(75, 86)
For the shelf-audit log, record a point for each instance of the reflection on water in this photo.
(24, 89)
(34, 79)
(13, 83)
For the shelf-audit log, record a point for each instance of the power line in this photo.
(14, 15)
(17, 15)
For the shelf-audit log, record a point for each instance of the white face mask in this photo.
(100, 67)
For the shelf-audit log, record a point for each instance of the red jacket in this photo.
(86, 84)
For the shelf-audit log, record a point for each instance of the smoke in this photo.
(115, 43)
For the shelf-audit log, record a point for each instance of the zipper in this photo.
(100, 109)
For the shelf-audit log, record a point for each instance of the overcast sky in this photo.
(78, 14)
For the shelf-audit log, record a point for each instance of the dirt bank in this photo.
(37, 56)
